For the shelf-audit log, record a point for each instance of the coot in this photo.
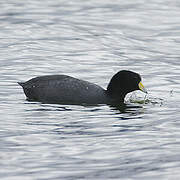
(63, 89)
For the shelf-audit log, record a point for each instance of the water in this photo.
(90, 40)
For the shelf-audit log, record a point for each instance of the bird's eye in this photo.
(137, 78)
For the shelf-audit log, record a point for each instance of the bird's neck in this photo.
(116, 96)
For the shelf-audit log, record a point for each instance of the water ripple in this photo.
(90, 40)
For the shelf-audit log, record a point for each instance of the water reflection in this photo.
(126, 108)
(121, 107)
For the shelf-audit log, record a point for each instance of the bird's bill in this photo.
(142, 88)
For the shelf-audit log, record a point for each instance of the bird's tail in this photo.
(21, 83)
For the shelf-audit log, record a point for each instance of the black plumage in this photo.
(63, 89)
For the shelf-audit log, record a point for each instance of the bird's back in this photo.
(63, 89)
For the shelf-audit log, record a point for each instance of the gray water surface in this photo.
(90, 40)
